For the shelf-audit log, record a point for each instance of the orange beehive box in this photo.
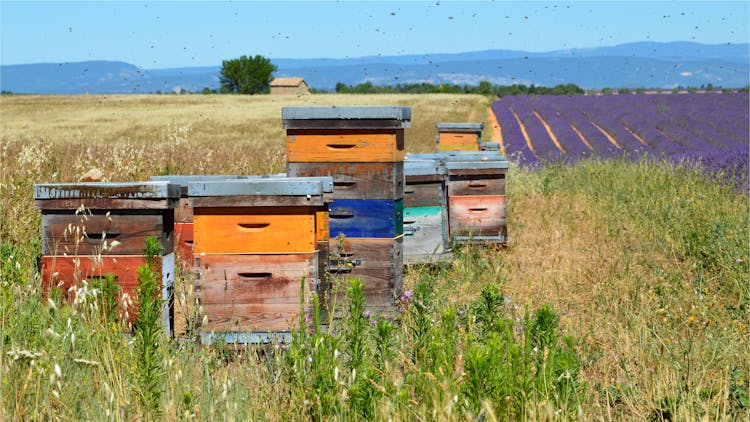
(459, 136)
(255, 242)
(254, 230)
(345, 134)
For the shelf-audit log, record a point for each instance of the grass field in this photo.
(624, 293)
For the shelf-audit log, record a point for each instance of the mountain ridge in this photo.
(639, 64)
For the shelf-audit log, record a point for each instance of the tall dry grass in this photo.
(647, 268)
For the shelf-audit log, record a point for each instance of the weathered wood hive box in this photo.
(476, 196)
(183, 213)
(259, 247)
(425, 210)
(362, 148)
(459, 136)
(90, 230)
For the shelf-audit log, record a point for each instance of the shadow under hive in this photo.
(80, 223)
(362, 148)
(260, 246)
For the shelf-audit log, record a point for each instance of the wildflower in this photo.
(406, 295)
(58, 371)
(367, 313)
(691, 319)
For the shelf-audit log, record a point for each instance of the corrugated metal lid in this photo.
(108, 190)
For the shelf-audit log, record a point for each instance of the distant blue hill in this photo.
(641, 64)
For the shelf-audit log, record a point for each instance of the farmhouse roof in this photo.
(287, 82)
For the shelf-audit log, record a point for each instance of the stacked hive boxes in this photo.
(476, 196)
(90, 230)
(425, 212)
(362, 148)
(255, 241)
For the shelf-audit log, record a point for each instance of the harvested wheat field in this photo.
(623, 293)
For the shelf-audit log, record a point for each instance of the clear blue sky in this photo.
(176, 34)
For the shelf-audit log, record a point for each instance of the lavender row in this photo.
(513, 139)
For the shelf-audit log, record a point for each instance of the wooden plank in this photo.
(260, 279)
(183, 213)
(322, 226)
(129, 228)
(105, 204)
(479, 184)
(379, 264)
(254, 230)
(183, 235)
(424, 194)
(481, 215)
(363, 145)
(357, 180)
(250, 317)
(366, 218)
(66, 272)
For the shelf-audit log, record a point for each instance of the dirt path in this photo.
(497, 133)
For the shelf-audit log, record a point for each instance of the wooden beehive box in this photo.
(355, 180)
(476, 196)
(345, 134)
(425, 209)
(459, 136)
(183, 214)
(378, 262)
(258, 243)
(82, 221)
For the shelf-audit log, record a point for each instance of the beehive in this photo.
(425, 210)
(476, 196)
(90, 230)
(258, 254)
(362, 148)
(459, 136)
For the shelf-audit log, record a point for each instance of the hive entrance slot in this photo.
(254, 275)
(253, 226)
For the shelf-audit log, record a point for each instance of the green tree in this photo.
(246, 75)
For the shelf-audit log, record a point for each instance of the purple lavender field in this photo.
(707, 129)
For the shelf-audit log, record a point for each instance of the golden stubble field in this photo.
(621, 285)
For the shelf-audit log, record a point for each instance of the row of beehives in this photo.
(254, 238)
